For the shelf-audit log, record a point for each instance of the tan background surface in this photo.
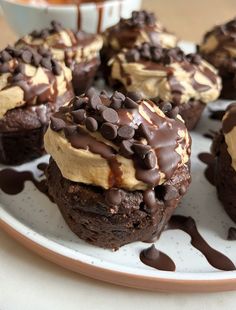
(188, 18)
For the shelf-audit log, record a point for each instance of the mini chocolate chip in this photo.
(57, 27)
(91, 124)
(18, 77)
(144, 131)
(27, 56)
(90, 92)
(57, 124)
(20, 69)
(109, 131)
(166, 107)
(134, 95)
(173, 113)
(113, 197)
(132, 55)
(145, 51)
(5, 56)
(196, 59)
(141, 149)
(130, 104)
(118, 95)
(79, 116)
(182, 190)
(44, 33)
(94, 101)
(4, 68)
(36, 59)
(150, 160)
(35, 33)
(231, 234)
(70, 130)
(116, 103)
(46, 63)
(126, 132)
(110, 115)
(126, 148)
(170, 192)
(78, 102)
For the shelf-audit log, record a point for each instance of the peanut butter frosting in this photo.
(66, 45)
(166, 73)
(119, 141)
(229, 131)
(141, 27)
(30, 77)
(219, 45)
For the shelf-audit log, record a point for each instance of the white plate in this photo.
(36, 222)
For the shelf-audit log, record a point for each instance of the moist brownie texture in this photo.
(119, 166)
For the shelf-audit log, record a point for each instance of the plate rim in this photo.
(145, 282)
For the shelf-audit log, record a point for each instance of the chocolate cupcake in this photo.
(119, 167)
(128, 33)
(187, 81)
(224, 149)
(33, 85)
(219, 49)
(79, 51)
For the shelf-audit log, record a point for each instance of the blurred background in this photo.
(189, 19)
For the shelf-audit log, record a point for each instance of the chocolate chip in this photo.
(57, 27)
(91, 124)
(44, 33)
(90, 92)
(126, 132)
(35, 33)
(182, 190)
(173, 113)
(150, 160)
(5, 56)
(57, 124)
(167, 60)
(141, 149)
(44, 52)
(116, 103)
(94, 101)
(118, 95)
(79, 116)
(144, 131)
(170, 192)
(20, 69)
(110, 115)
(130, 104)
(18, 77)
(46, 63)
(56, 68)
(4, 68)
(27, 57)
(36, 59)
(145, 51)
(70, 130)
(104, 93)
(231, 234)
(113, 197)
(126, 148)
(109, 131)
(196, 59)
(78, 102)
(101, 107)
(134, 95)
(132, 55)
(166, 107)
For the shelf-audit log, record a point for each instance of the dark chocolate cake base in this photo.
(83, 75)
(191, 113)
(225, 177)
(89, 216)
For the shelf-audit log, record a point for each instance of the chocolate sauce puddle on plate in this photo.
(188, 225)
(12, 182)
(156, 259)
(209, 172)
(216, 115)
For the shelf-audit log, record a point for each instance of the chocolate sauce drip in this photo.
(210, 135)
(230, 121)
(214, 257)
(156, 259)
(12, 182)
(209, 172)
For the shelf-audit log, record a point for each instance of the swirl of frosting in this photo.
(166, 73)
(30, 77)
(141, 27)
(118, 141)
(229, 131)
(65, 44)
(219, 46)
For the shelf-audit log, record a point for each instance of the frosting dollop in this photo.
(219, 46)
(141, 27)
(118, 141)
(229, 131)
(66, 45)
(166, 73)
(30, 76)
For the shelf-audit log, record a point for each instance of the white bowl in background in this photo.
(90, 17)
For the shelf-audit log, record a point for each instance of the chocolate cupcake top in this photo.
(166, 73)
(118, 141)
(141, 27)
(65, 44)
(30, 77)
(229, 131)
(219, 46)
